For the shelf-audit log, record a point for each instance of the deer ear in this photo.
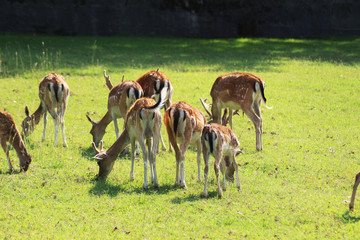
(26, 111)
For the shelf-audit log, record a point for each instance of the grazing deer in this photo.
(142, 122)
(220, 142)
(243, 91)
(120, 99)
(184, 125)
(9, 133)
(356, 184)
(53, 93)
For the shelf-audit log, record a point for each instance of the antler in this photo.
(101, 147)
(206, 106)
(123, 78)
(108, 82)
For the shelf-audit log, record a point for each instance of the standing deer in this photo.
(356, 184)
(9, 133)
(243, 91)
(53, 93)
(120, 99)
(142, 122)
(184, 125)
(152, 83)
(220, 142)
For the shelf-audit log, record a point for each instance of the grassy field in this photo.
(296, 188)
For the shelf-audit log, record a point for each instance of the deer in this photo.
(355, 186)
(237, 91)
(184, 125)
(142, 124)
(220, 142)
(9, 133)
(121, 97)
(54, 94)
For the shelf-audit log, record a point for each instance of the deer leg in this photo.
(45, 122)
(56, 123)
(153, 159)
(216, 112)
(132, 159)
(199, 159)
(6, 150)
(206, 154)
(183, 148)
(63, 131)
(148, 144)
(223, 166)
(163, 146)
(115, 124)
(356, 184)
(257, 111)
(231, 118)
(234, 163)
(257, 122)
(218, 158)
(145, 156)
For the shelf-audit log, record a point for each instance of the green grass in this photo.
(296, 188)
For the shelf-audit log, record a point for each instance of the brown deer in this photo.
(9, 133)
(220, 142)
(142, 122)
(120, 99)
(356, 184)
(184, 125)
(235, 91)
(54, 94)
(152, 83)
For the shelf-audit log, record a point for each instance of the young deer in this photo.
(9, 133)
(121, 97)
(220, 142)
(142, 122)
(53, 93)
(152, 83)
(356, 184)
(184, 125)
(243, 91)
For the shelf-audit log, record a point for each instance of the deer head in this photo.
(28, 124)
(224, 118)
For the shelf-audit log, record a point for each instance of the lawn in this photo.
(298, 187)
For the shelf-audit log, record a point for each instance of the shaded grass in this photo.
(294, 189)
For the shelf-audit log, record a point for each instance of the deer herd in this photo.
(139, 103)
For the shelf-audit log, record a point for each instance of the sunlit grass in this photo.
(295, 188)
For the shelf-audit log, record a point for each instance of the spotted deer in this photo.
(142, 123)
(184, 125)
(9, 133)
(236, 91)
(54, 94)
(220, 142)
(121, 97)
(356, 184)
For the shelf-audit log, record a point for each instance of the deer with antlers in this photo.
(54, 94)
(235, 91)
(184, 125)
(355, 186)
(220, 142)
(121, 97)
(9, 133)
(142, 124)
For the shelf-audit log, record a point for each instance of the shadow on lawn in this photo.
(102, 187)
(347, 218)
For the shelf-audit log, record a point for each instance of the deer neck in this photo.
(38, 114)
(105, 120)
(17, 142)
(119, 145)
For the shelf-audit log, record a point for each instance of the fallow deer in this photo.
(142, 122)
(54, 94)
(220, 142)
(243, 91)
(184, 125)
(356, 184)
(9, 133)
(121, 97)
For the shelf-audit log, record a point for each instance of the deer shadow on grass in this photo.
(8, 172)
(102, 187)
